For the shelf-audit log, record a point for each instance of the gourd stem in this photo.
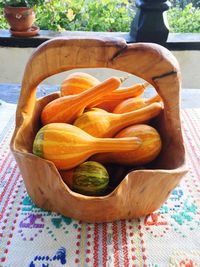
(123, 79)
(145, 84)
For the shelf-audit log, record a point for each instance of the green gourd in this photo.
(90, 178)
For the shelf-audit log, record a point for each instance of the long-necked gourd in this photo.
(146, 153)
(135, 103)
(67, 146)
(67, 108)
(106, 124)
(110, 101)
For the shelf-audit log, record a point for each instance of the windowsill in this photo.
(176, 41)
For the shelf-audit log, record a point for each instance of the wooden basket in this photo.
(141, 191)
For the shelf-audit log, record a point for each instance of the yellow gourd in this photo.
(106, 124)
(135, 103)
(77, 82)
(110, 101)
(67, 146)
(147, 152)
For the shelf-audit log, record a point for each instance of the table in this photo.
(30, 236)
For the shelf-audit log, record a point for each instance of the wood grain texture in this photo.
(141, 191)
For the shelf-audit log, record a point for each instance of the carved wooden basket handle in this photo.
(151, 62)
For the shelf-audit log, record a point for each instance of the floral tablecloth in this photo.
(30, 236)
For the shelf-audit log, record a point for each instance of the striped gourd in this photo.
(117, 96)
(90, 178)
(107, 124)
(77, 82)
(135, 103)
(147, 152)
(67, 146)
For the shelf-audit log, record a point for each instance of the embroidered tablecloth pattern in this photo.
(30, 236)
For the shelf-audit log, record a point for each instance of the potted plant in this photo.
(20, 15)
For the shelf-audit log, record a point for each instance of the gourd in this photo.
(147, 152)
(110, 101)
(135, 103)
(107, 124)
(77, 82)
(67, 146)
(67, 108)
(89, 178)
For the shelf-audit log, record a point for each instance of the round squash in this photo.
(77, 82)
(90, 178)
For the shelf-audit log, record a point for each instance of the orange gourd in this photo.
(77, 82)
(106, 124)
(135, 103)
(67, 146)
(68, 108)
(109, 102)
(147, 152)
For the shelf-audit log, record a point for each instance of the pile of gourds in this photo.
(93, 124)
